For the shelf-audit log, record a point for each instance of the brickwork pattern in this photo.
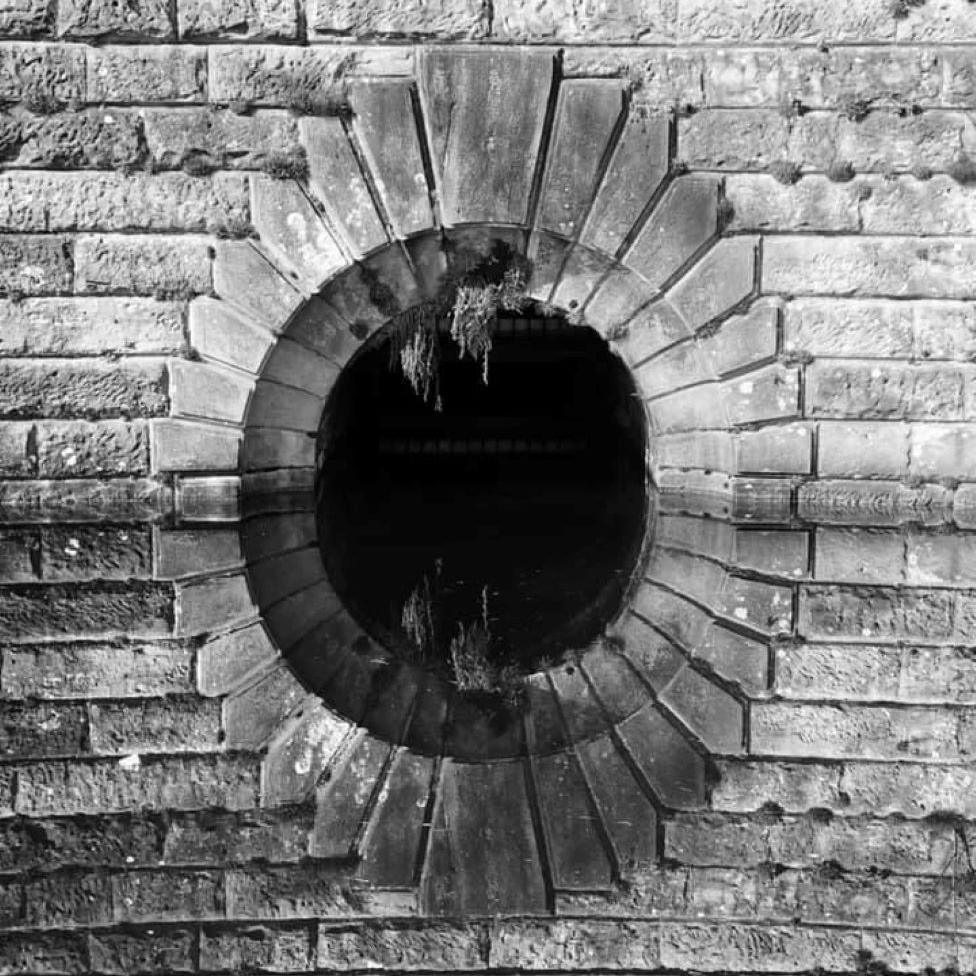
(769, 768)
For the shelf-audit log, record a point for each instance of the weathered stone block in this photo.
(224, 662)
(96, 670)
(891, 391)
(155, 896)
(291, 228)
(775, 450)
(883, 266)
(72, 449)
(699, 20)
(313, 889)
(179, 445)
(90, 326)
(42, 730)
(863, 450)
(26, 18)
(212, 605)
(165, 267)
(246, 277)
(190, 552)
(104, 786)
(866, 613)
(220, 332)
(270, 449)
(167, 725)
(575, 944)
(88, 139)
(89, 20)
(441, 947)
(83, 388)
(278, 406)
(220, 837)
(35, 265)
(104, 610)
(943, 451)
(117, 953)
(441, 20)
(813, 204)
(253, 715)
(253, 20)
(199, 390)
(57, 70)
(465, 107)
(146, 74)
(299, 753)
(277, 949)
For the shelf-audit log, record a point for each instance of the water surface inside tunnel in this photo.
(485, 536)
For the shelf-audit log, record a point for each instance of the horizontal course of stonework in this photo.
(768, 764)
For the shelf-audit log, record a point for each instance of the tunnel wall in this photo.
(799, 171)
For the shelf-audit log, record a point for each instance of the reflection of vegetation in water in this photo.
(470, 657)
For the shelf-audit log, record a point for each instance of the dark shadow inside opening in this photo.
(485, 540)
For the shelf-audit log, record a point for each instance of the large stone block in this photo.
(441, 20)
(90, 326)
(253, 20)
(126, 73)
(35, 265)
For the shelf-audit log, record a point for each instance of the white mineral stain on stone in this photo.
(130, 763)
(746, 387)
(742, 613)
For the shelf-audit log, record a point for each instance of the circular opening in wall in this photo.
(481, 516)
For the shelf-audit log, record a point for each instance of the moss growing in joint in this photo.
(963, 169)
(286, 164)
(785, 171)
(854, 107)
(840, 171)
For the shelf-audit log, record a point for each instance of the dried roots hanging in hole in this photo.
(471, 301)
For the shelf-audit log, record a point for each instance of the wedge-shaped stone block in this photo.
(723, 278)
(372, 292)
(736, 658)
(392, 845)
(770, 393)
(586, 115)
(679, 366)
(681, 620)
(653, 655)
(270, 535)
(673, 770)
(224, 662)
(628, 816)
(268, 448)
(213, 605)
(318, 326)
(484, 153)
(639, 164)
(696, 408)
(386, 126)
(255, 714)
(295, 365)
(220, 332)
(775, 450)
(578, 858)
(744, 340)
(207, 499)
(292, 618)
(684, 220)
(707, 709)
(341, 802)
(178, 553)
(300, 753)
(466, 877)
(292, 230)
(181, 445)
(285, 407)
(339, 184)
(582, 272)
(653, 328)
(208, 392)
(620, 295)
(246, 277)
(281, 575)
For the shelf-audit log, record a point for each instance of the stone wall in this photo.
(766, 207)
